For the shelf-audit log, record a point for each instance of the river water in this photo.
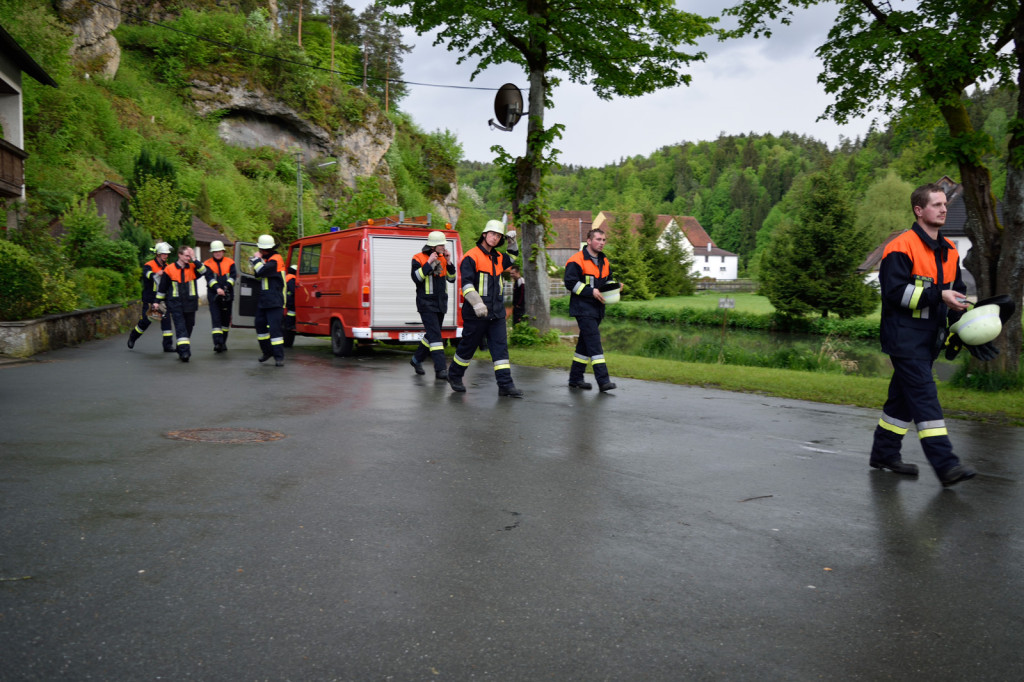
(746, 348)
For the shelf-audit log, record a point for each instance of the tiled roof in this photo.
(570, 228)
(205, 234)
(874, 258)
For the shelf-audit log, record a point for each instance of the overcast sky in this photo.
(759, 86)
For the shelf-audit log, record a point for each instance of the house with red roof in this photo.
(709, 261)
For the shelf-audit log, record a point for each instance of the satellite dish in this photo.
(508, 107)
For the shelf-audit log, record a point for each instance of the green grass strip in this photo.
(1006, 407)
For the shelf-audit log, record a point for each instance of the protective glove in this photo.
(984, 352)
(254, 260)
(953, 346)
(512, 245)
(479, 307)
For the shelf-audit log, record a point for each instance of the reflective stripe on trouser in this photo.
(432, 344)
(589, 351)
(913, 399)
(165, 324)
(183, 324)
(497, 343)
(220, 319)
(269, 322)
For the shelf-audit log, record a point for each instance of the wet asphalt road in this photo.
(398, 531)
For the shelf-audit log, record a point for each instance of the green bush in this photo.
(523, 334)
(99, 286)
(21, 283)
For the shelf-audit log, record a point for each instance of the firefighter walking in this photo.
(151, 273)
(220, 279)
(585, 273)
(483, 308)
(432, 270)
(178, 290)
(921, 286)
(268, 268)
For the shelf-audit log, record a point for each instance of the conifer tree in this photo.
(811, 264)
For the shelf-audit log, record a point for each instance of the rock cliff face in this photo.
(252, 118)
(95, 50)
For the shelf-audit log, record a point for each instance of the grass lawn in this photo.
(708, 300)
(1003, 408)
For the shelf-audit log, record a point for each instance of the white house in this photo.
(14, 61)
(709, 261)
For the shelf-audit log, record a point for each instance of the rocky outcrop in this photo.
(94, 50)
(252, 118)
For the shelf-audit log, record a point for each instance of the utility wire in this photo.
(357, 77)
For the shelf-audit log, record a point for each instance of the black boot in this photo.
(133, 337)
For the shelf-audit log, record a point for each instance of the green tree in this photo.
(629, 261)
(915, 58)
(672, 265)
(811, 265)
(83, 226)
(157, 206)
(625, 49)
(885, 208)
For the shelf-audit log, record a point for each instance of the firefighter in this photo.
(483, 308)
(585, 273)
(151, 273)
(220, 281)
(268, 267)
(178, 291)
(921, 286)
(289, 300)
(432, 270)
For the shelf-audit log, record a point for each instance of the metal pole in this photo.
(298, 190)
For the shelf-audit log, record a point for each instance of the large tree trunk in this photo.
(992, 258)
(1010, 279)
(531, 231)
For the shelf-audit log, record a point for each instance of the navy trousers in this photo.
(474, 330)
(913, 399)
(432, 343)
(589, 352)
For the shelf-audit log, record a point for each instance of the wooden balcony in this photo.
(12, 169)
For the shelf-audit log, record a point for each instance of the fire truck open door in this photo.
(243, 309)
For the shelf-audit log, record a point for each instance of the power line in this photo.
(356, 77)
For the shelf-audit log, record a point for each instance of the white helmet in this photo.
(435, 238)
(265, 241)
(216, 245)
(162, 247)
(979, 325)
(495, 226)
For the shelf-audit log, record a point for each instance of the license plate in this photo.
(410, 336)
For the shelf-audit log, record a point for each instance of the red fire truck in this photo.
(355, 284)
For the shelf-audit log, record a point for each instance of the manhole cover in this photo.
(225, 435)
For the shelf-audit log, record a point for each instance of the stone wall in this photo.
(27, 337)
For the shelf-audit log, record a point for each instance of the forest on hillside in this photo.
(738, 186)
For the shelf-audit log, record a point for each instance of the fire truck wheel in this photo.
(341, 345)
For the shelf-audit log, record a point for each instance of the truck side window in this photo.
(309, 263)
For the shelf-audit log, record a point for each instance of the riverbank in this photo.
(998, 408)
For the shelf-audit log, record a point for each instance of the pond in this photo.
(746, 348)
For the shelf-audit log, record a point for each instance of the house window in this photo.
(707, 269)
(721, 269)
(723, 260)
(705, 260)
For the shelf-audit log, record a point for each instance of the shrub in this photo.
(523, 334)
(98, 286)
(21, 283)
